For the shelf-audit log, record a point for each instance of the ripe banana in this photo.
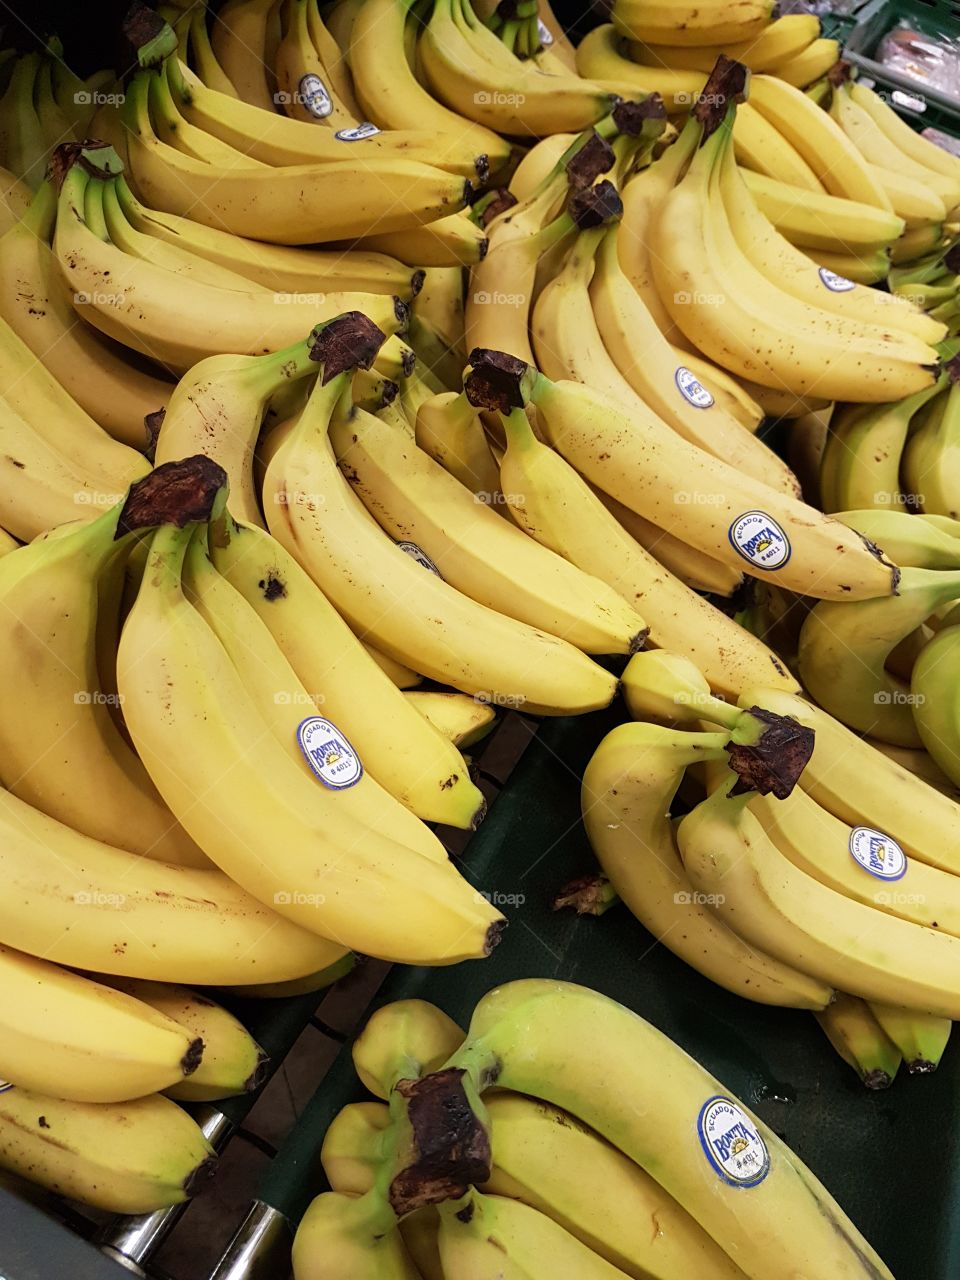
(232, 1063)
(931, 458)
(324, 862)
(843, 654)
(860, 1040)
(450, 430)
(911, 199)
(99, 375)
(547, 498)
(863, 267)
(65, 755)
(646, 472)
(305, 88)
(23, 148)
(916, 540)
(664, 22)
(933, 690)
(487, 558)
(341, 1236)
(238, 36)
(811, 64)
(428, 624)
(794, 917)
(67, 1036)
(600, 59)
(448, 242)
(401, 752)
(462, 720)
(781, 41)
(628, 787)
(906, 140)
(831, 223)
(760, 146)
(920, 1037)
(556, 1041)
(124, 1157)
(403, 1040)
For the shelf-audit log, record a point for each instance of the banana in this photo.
(283, 702)
(217, 409)
(843, 652)
(180, 136)
(933, 690)
(819, 140)
(341, 1236)
(325, 863)
(742, 319)
(400, 676)
(106, 384)
(730, 393)
(915, 540)
(486, 1236)
(308, 985)
(910, 198)
(277, 267)
(201, 51)
(860, 467)
(644, 358)
(628, 787)
(15, 197)
(547, 498)
(238, 36)
(779, 42)
(429, 625)
(353, 1143)
(487, 558)
(470, 69)
(921, 764)
(124, 1157)
(464, 721)
(449, 429)
(448, 242)
(876, 147)
(23, 148)
(537, 165)
(69, 1037)
(914, 243)
(664, 22)
(863, 267)
(931, 458)
(810, 64)
(559, 1042)
(864, 866)
(232, 1063)
(777, 402)
(846, 775)
(570, 344)
(164, 317)
(905, 139)
(403, 1040)
(437, 325)
(600, 59)
(286, 204)
(824, 222)
(920, 1037)
(389, 92)
(762, 147)
(54, 124)
(860, 1040)
(794, 917)
(66, 755)
(645, 471)
(401, 752)
(305, 89)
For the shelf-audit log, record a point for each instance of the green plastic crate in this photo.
(930, 17)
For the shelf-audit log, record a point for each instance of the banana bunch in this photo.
(553, 1173)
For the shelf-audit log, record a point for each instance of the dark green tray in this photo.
(891, 1159)
(931, 17)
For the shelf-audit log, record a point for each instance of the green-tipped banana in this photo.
(914, 541)
(920, 1037)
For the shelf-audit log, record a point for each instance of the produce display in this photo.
(373, 370)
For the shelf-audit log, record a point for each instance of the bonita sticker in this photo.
(760, 540)
(544, 32)
(421, 557)
(878, 853)
(5, 1085)
(692, 389)
(732, 1143)
(328, 753)
(835, 283)
(314, 97)
(365, 130)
